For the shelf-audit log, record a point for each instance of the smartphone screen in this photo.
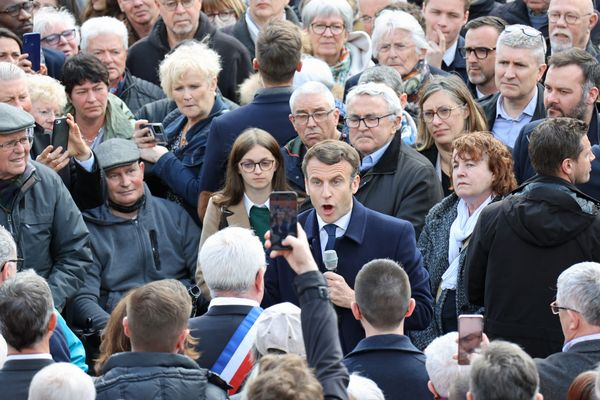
(31, 46)
(283, 214)
(60, 133)
(158, 133)
(470, 335)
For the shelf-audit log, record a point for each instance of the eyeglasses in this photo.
(556, 308)
(18, 261)
(224, 15)
(531, 32)
(250, 166)
(318, 116)
(570, 18)
(54, 39)
(15, 10)
(172, 5)
(320, 29)
(10, 146)
(481, 53)
(365, 19)
(442, 113)
(370, 121)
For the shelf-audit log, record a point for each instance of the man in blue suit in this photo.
(358, 235)
(278, 52)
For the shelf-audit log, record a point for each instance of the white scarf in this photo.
(461, 229)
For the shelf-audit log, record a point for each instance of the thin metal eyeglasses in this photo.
(370, 121)
(318, 116)
(172, 5)
(556, 308)
(320, 29)
(442, 113)
(18, 261)
(481, 53)
(10, 146)
(250, 166)
(54, 39)
(15, 10)
(570, 18)
(224, 15)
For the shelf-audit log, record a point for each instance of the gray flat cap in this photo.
(13, 119)
(116, 153)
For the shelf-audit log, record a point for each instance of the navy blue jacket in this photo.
(459, 64)
(524, 170)
(394, 364)
(370, 235)
(269, 111)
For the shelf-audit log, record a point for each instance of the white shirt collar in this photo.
(248, 204)
(569, 344)
(341, 223)
(232, 301)
(450, 53)
(37, 356)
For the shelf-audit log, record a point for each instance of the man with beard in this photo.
(570, 91)
(571, 22)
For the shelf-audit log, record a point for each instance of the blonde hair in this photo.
(45, 88)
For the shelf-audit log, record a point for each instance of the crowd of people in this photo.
(443, 154)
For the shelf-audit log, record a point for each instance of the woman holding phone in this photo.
(254, 170)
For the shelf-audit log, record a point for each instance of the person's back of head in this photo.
(233, 263)
(503, 371)
(441, 367)
(382, 294)
(157, 316)
(278, 52)
(361, 388)
(284, 377)
(279, 330)
(62, 381)
(26, 311)
(583, 387)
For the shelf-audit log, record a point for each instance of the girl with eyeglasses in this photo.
(446, 109)
(222, 13)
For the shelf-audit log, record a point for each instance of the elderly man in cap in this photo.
(39, 212)
(136, 238)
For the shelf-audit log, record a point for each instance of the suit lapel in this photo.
(238, 216)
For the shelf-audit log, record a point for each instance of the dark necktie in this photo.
(330, 229)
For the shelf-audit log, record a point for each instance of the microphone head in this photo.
(330, 259)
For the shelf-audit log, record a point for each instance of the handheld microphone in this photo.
(330, 259)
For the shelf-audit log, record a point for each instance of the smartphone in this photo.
(31, 46)
(157, 131)
(60, 133)
(470, 336)
(283, 216)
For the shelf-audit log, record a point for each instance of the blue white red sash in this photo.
(235, 361)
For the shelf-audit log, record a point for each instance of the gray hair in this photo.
(25, 308)
(442, 369)
(61, 381)
(578, 287)
(377, 89)
(230, 260)
(47, 17)
(504, 371)
(313, 69)
(339, 8)
(95, 27)
(383, 74)
(46, 88)
(390, 20)
(515, 36)
(314, 88)
(190, 55)
(8, 247)
(10, 72)
(363, 388)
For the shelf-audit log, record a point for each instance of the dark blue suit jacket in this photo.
(524, 170)
(54, 61)
(459, 64)
(370, 235)
(16, 376)
(394, 364)
(269, 110)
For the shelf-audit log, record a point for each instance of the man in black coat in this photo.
(182, 23)
(578, 309)
(521, 244)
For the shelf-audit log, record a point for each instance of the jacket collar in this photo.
(356, 227)
(389, 160)
(384, 342)
(557, 181)
(131, 359)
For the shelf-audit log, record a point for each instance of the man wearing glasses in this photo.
(39, 212)
(520, 64)
(571, 22)
(182, 20)
(395, 179)
(480, 54)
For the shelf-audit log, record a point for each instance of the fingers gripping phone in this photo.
(283, 213)
(470, 336)
(157, 131)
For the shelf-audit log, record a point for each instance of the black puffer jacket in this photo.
(137, 92)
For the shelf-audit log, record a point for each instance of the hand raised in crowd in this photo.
(77, 146)
(149, 150)
(53, 158)
(340, 293)
(437, 44)
(299, 258)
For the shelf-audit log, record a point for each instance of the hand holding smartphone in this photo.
(31, 46)
(470, 336)
(283, 217)
(157, 131)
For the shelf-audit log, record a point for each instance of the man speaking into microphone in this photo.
(358, 235)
